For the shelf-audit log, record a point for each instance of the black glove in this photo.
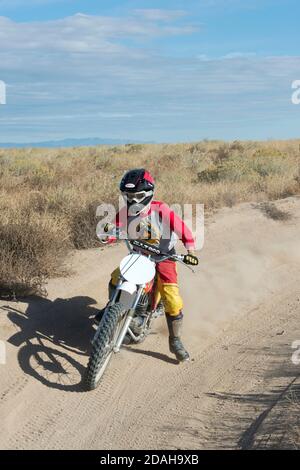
(191, 259)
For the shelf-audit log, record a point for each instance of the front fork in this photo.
(128, 320)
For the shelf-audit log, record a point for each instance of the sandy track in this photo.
(242, 315)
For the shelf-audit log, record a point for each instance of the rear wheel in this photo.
(102, 350)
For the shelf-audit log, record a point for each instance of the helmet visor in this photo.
(136, 197)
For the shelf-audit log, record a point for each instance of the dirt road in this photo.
(239, 391)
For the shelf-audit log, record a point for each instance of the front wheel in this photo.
(103, 346)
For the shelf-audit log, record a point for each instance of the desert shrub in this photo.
(133, 148)
(210, 175)
(237, 145)
(222, 154)
(48, 197)
(83, 223)
(248, 167)
(32, 248)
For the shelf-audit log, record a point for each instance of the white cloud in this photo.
(81, 75)
(81, 33)
(229, 56)
(239, 55)
(160, 15)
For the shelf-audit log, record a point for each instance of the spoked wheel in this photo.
(102, 350)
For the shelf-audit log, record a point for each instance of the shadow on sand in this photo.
(54, 339)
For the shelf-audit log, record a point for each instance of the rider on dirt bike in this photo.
(156, 223)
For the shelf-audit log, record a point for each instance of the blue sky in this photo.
(149, 70)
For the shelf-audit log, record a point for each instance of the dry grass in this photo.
(48, 196)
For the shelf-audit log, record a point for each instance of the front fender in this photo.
(128, 287)
(127, 294)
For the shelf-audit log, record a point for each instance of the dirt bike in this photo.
(130, 310)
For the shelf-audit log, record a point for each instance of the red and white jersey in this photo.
(158, 225)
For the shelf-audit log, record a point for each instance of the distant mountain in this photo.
(69, 143)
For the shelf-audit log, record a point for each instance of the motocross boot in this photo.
(175, 343)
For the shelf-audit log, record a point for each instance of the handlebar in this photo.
(188, 260)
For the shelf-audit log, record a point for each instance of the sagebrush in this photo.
(48, 197)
